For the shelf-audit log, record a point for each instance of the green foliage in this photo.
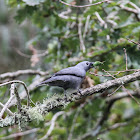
(57, 31)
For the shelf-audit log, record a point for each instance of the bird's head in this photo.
(86, 65)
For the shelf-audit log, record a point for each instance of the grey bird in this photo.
(71, 78)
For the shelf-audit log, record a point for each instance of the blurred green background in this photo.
(48, 35)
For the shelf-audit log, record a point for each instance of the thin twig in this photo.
(133, 42)
(82, 45)
(109, 73)
(52, 124)
(21, 82)
(118, 72)
(115, 91)
(7, 110)
(100, 19)
(135, 11)
(115, 126)
(12, 94)
(134, 5)
(125, 57)
(30, 56)
(81, 6)
(130, 95)
(124, 88)
(112, 22)
(31, 87)
(20, 134)
(74, 120)
(86, 26)
(65, 16)
(126, 70)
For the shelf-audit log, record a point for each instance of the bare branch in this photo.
(20, 134)
(81, 6)
(30, 56)
(130, 95)
(115, 126)
(12, 94)
(118, 72)
(124, 88)
(74, 120)
(115, 91)
(125, 57)
(21, 82)
(52, 124)
(7, 110)
(30, 88)
(132, 10)
(134, 5)
(101, 20)
(82, 45)
(22, 72)
(133, 42)
(121, 95)
(64, 15)
(86, 26)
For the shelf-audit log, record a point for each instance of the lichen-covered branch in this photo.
(35, 113)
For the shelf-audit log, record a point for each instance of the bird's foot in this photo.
(65, 98)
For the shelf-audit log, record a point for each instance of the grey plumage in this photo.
(69, 78)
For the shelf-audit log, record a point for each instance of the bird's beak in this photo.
(91, 64)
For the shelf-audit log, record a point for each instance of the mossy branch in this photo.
(36, 113)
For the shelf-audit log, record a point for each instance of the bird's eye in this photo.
(87, 63)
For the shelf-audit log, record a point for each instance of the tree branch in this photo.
(22, 72)
(7, 110)
(81, 6)
(115, 126)
(21, 82)
(52, 124)
(12, 94)
(56, 101)
(20, 134)
(30, 88)
(82, 45)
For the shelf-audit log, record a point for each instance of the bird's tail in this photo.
(42, 84)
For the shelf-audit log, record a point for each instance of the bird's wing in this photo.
(71, 71)
(60, 81)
